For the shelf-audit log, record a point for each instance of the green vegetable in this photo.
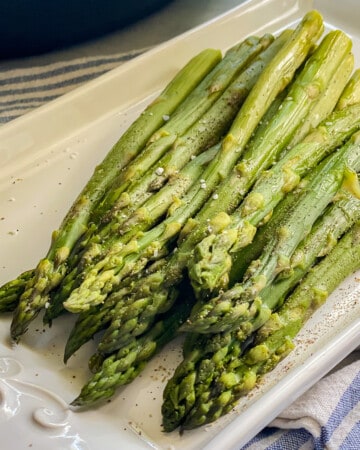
(213, 256)
(106, 274)
(274, 340)
(206, 356)
(194, 106)
(133, 204)
(52, 268)
(123, 366)
(227, 310)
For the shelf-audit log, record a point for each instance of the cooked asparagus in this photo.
(124, 365)
(105, 275)
(129, 207)
(212, 259)
(52, 268)
(227, 310)
(274, 340)
(206, 355)
(141, 307)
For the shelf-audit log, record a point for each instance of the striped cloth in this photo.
(22, 90)
(328, 415)
(325, 417)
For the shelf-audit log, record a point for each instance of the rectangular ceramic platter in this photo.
(46, 157)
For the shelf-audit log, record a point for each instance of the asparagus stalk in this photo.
(272, 80)
(88, 324)
(185, 147)
(348, 98)
(275, 339)
(123, 366)
(200, 99)
(243, 257)
(327, 101)
(91, 322)
(335, 221)
(115, 303)
(188, 113)
(97, 318)
(351, 93)
(205, 132)
(51, 269)
(206, 355)
(162, 288)
(227, 310)
(337, 127)
(10, 291)
(212, 259)
(134, 313)
(143, 218)
(261, 152)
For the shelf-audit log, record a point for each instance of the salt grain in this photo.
(159, 171)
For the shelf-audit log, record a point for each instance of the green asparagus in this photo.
(328, 100)
(11, 291)
(227, 310)
(143, 218)
(207, 130)
(123, 366)
(212, 259)
(274, 340)
(242, 178)
(189, 112)
(277, 74)
(52, 268)
(162, 289)
(206, 355)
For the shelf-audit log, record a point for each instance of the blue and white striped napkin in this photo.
(328, 415)
(22, 90)
(325, 417)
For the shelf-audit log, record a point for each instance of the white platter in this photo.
(46, 157)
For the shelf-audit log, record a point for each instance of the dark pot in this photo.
(30, 27)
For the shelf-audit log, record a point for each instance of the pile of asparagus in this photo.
(228, 211)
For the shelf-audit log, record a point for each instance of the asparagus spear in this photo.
(193, 106)
(275, 339)
(243, 257)
(347, 99)
(339, 127)
(206, 355)
(142, 219)
(188, 145)
(98, 317)
(323, 237)
(212, 259)
(207, 130)
(87, 325)
(351, 93)
(227, 310)
(105, 275)
(133, 315)
(204, 360)
(328, 100)
(123, 366)
(51, 269)
(188, 113)
(141, 307)
(10, 291)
